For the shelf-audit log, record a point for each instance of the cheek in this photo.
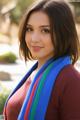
(49, 47)
(49, 44)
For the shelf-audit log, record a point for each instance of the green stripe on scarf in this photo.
(36, 100)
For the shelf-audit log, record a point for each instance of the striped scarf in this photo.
(37, 99)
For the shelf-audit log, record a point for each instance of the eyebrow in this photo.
(42, 26)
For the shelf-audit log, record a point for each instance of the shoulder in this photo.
(68, 81)
(69, 71)
(68, 75)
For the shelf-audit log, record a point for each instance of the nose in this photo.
(35, 37)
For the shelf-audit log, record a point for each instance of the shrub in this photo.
(4, 93)
(8, 57)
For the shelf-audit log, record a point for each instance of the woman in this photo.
(50, 90)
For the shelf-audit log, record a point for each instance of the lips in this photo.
(36, 48)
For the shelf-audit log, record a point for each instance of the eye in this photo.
(45, 30)
(29, 29)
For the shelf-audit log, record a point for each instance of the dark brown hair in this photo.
(63, 30)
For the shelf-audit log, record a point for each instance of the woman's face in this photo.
(38, 36)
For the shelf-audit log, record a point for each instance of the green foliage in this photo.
(19, 10)
(8, 57)
(4, 93)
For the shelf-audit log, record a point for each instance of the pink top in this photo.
(15, 102)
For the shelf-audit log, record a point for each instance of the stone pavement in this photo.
(11, 74)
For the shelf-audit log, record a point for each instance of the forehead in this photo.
(38, 18)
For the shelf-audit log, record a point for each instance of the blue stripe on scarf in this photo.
(22, 113)
(58, 65)
(44, 98)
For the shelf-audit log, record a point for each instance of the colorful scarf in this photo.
(37, 99)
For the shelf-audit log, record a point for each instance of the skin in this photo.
(38, 37)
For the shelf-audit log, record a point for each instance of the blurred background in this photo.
(12, 67)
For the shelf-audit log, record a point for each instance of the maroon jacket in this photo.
(64, 102)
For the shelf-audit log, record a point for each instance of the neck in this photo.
(41, 62)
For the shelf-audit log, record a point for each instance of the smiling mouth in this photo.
(36, 48)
